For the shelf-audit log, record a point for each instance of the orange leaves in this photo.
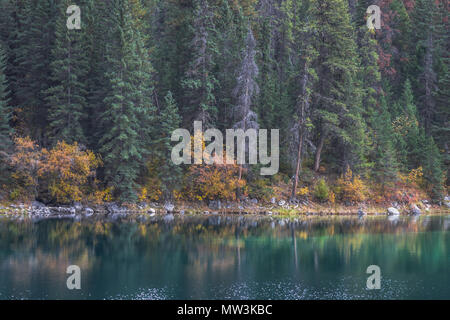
(25, 160)
(64, 170)
(351, 189)
(217, 181)
(67, 170)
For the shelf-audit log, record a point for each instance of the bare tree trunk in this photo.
(318, 152)
(297, 168)
(304, 101)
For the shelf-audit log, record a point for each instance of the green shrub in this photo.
(260, 189)
(321, 190)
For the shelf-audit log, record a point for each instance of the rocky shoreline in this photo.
(276, 208)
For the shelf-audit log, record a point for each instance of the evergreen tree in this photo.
(128, 116)
(169, 120)
(432, 167)
(5, 118)
(69, 68)
(426, 18)
(32, 50)
(385, 163)
(199, 83)
(336, 69)
(407, 131)
(306, 77)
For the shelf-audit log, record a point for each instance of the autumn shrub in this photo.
(100, 196)
(62, 174)
(350, 189)
(302, 192)
(65, 170)
(215, 181)
(25, 161)
(321, 190)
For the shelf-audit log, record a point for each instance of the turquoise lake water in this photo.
(227, 257)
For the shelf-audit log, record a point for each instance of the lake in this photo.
(227, 257)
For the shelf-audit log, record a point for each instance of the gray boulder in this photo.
(37, 205)
(78, 206)
(169, 207)
(415, 210)
(393, 211)
(88, 212)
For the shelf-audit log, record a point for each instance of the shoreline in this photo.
(281, 209)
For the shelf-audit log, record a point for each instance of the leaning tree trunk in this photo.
(318, 152)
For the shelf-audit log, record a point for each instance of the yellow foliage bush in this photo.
(351, 189)
(416, 176)
(25, 162)
(101, 196)
(303, 191)
(332, 197)
(216, 181)
(63, 171)
(67, 169)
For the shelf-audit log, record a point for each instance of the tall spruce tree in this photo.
(66, 97)
(199, 83)
(5, 118)
(385, 166)
(427, 23)
(336, 67)
(32, 50)
(169, 120)
(128, 113)
(306, 77)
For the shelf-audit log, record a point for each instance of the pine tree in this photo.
(385, 163)
(69, 68)
(199, 82)
(336, 69)
(169, 120)
(231, 34)
(426, 18)
(268, 100)
(407, 132)
(128, 116)
(32, 50)
(303, 35)
(432, 167)
(5, 118)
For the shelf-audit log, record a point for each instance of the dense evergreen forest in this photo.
(88, 114)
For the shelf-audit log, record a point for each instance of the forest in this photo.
(87, 114)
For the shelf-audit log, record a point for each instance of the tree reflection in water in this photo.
(226, 257)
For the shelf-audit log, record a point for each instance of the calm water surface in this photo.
(223, 257)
